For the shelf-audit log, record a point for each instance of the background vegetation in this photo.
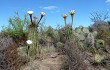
(86, 48)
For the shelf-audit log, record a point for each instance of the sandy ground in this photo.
(51, 62)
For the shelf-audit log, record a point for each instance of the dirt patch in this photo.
(49, 63)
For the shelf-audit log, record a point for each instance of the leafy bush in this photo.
(17, 28)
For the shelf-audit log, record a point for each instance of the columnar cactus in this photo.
(68, 32)
(72, 12)
(65, 16)
(68, 28)
(33, 48)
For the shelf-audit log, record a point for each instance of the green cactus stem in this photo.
(33, 47)
(100, 44)
(68, 32)
(33, 36)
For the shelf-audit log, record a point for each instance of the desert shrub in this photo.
(9, 58)
(101, 25)
(42, 40)
(56, 36)
(17, 28)
(106, 60)
(104, 35)
(59, 46)
(42, 36)
(62, 35)
(50, 31)
(75, 57)
(46, 50)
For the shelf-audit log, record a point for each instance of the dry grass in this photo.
(9, 58)
(75, 57)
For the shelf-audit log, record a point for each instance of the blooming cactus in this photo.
(64, 16)
(72, 12)
(42, 13)
(30, 12)
(32, 35)
(29, 42)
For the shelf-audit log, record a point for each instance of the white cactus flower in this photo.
(43, 13)
(65, 15)
(30, 12)
(72, 12)
(29, 42)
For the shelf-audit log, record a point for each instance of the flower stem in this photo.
(40, 19)
(31, 18)
(72, 20)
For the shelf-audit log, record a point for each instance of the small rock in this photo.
(54, 55)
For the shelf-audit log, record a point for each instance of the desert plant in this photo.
(106, 60)
(68, 32)
(90, 40)
(68, 28)
(50, 31)
(42, 34)
(97, 60)
(64, 16)
(61, 33)
(109, 25)
(104, 35)
(17, 28)
(72, 12)
(9, 58)
(33, 36)
(100, 44)
(75, 59)
(56, 36)
(101, 25)
(59, 46)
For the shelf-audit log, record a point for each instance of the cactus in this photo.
(98, 58)
(68, 32)
(72, 12)
(100, 44)
(68, 28)
(90, 40)
(33, 48)
(95, 33)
